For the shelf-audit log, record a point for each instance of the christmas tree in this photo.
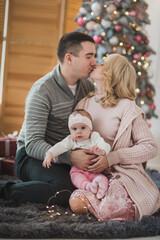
(119, 27)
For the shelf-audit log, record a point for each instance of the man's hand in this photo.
(99, 165)
(82, 158)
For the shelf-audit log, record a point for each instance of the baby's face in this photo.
(80, 132)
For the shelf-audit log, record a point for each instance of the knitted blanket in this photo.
(36, 221)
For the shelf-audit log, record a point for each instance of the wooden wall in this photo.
(34, 29)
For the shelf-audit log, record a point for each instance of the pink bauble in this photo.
(138, 38)
(80, 21)
(148, 89)
(146, 41)
(152, 105)
(118, 28)
(136, 56)
(132, 13)
(147, 54)
(97, 38)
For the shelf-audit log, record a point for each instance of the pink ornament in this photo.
(146, 41)
(118, 28)
(138, 38)
(97, 38)
(152, 105)
(148, 89)
(149, 124)
(147, 54)
(80, 21)
(136, 56)
(132, 13)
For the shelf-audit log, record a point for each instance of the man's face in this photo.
(83, 64)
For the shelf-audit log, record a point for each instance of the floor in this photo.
(147, 238)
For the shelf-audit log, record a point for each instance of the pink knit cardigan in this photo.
(133, 145)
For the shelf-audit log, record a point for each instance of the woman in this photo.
(131, 193)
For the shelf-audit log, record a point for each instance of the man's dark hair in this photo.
(71, 43)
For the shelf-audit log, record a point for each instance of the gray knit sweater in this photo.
(48, 106)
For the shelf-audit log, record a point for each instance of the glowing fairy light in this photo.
(138, 90)
(121, 44)
(126, 13)
(139, 63)
(139, 73)
(115, 12)
(146, 65)
(142, 102)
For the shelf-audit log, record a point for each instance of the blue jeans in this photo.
(39, 184)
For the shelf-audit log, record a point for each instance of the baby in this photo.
(82, 136)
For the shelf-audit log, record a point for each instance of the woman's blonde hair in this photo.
(120, 80)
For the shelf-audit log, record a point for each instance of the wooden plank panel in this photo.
(72, 8)
(33, 35)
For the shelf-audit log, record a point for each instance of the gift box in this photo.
(7, 166)
(8, 145)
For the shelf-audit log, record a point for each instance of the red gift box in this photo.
(8, 147)
(8, 144)
(7, 166)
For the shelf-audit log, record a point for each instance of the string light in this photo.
(54, 210)
(138, 90)
(142, 102)
(115, 12)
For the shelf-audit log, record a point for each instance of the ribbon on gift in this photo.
(8, 138)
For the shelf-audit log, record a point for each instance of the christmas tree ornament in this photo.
(123, 20)
(147, 54)
(97, 38)
(137, 56)
(90, 25)
(96, 8)
(145, 108)
(132, 13)
(105, 23)
(118, 28)
(152, 106)
(80, 21)
(114, 40)
(146, 41)
(138, 38)
(96, 27)
(83, 10)
(111, 8)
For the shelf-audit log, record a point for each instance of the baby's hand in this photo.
(98, 151)
(48, 158)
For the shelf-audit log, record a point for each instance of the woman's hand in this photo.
(82, 158)
(98, 165)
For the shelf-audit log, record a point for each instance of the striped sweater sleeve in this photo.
(36, 115)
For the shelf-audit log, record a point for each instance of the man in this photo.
(48, 105)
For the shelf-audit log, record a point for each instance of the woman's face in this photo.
(97, 74)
